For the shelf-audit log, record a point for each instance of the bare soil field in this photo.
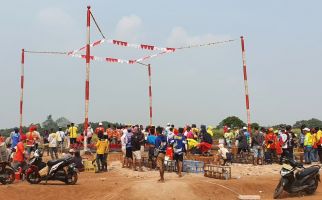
(122, 183)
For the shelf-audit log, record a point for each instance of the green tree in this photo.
(232, 121)
(254, 125)
(49, 123)
(311, 123)
(62, 122)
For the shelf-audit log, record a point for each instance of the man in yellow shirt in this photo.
(101, 148)
(308, 143)
(72, 133)
(319, 142)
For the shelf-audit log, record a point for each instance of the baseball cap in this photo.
(100, 124)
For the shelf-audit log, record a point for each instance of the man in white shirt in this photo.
(123, 143)
(53, 139)
(61, 138)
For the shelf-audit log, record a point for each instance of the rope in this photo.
(223, 187)
(97, 26)
(46, 52)
(207, 44)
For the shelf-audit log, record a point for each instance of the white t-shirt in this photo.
(285, 143)
(123, 142)
(53, 139)
(61, 134)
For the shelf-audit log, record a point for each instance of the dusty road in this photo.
(125, 184)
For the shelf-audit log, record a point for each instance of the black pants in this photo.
(89, 139)
(320, 154)
(100, 161)
(285, 154)
(291, 153)
(72, 140)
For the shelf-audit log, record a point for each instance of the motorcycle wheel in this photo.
(313, 189)
(72, 178)
(33, 178)
(278, 190)
(10, 174)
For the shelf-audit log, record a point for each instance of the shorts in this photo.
(178, 157)
(160, 160)
(137, 155)
(123, 152)
(128, 153)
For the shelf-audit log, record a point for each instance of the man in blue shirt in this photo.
(179, 143)
(151, 144)
(161, 145)
(15, 137)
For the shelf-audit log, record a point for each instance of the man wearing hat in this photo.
(308, 143)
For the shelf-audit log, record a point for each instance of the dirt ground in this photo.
(120, 183)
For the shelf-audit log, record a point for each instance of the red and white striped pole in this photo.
(245, 83)
(150, 93)
(87, 75)
(21, 87)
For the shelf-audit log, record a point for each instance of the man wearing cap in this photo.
(99, 129)
(308, 143)
(270, 142)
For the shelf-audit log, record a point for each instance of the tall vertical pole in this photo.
(245, 83)
(150, 93)
(22, 77)
(87, 75)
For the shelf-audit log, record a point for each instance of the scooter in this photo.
(7, 173)
(62, 170)
(297, 179)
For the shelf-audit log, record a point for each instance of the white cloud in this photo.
(128, 28)
(179, 37)
(55, 17)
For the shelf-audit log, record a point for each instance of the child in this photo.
(101, 146)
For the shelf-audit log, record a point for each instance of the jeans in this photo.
(285, 154)
(308, 155)
(258, 151)
(315, 157)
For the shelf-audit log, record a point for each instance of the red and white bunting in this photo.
(139, 46)
(96, 43)
(117, 60)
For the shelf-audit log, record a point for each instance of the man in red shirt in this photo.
(19, 157)
(270, 142)
(100, 129)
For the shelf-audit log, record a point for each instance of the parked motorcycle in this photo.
(7, 173)
(62, 170)
(295, 179)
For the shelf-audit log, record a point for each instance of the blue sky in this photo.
(201, 85)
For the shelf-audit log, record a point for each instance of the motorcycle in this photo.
(7, 173)
(295, 179)
(62, 170)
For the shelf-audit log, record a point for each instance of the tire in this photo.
(278, 190)
(33, 177)
(313, 188)
(72, 178)
(10, 175)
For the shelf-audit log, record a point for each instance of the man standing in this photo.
(161, 146)
(15, 137)
(136, 148)
(179, 144)
(123, 143)
(229, 136)
(19, 157)
(101, 147)
(53, 143)
(257, 143)
(319, 142)
(61, 136)
(284, 141)
(89, 134)
(151, 143)
(270, 142)
(72, 133)
(128, 148)
(33, 138)
(308, 143)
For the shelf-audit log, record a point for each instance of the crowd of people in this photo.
(265, 144)
(269, 144)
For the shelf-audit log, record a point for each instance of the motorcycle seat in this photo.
(54, 162)
(307, 171)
